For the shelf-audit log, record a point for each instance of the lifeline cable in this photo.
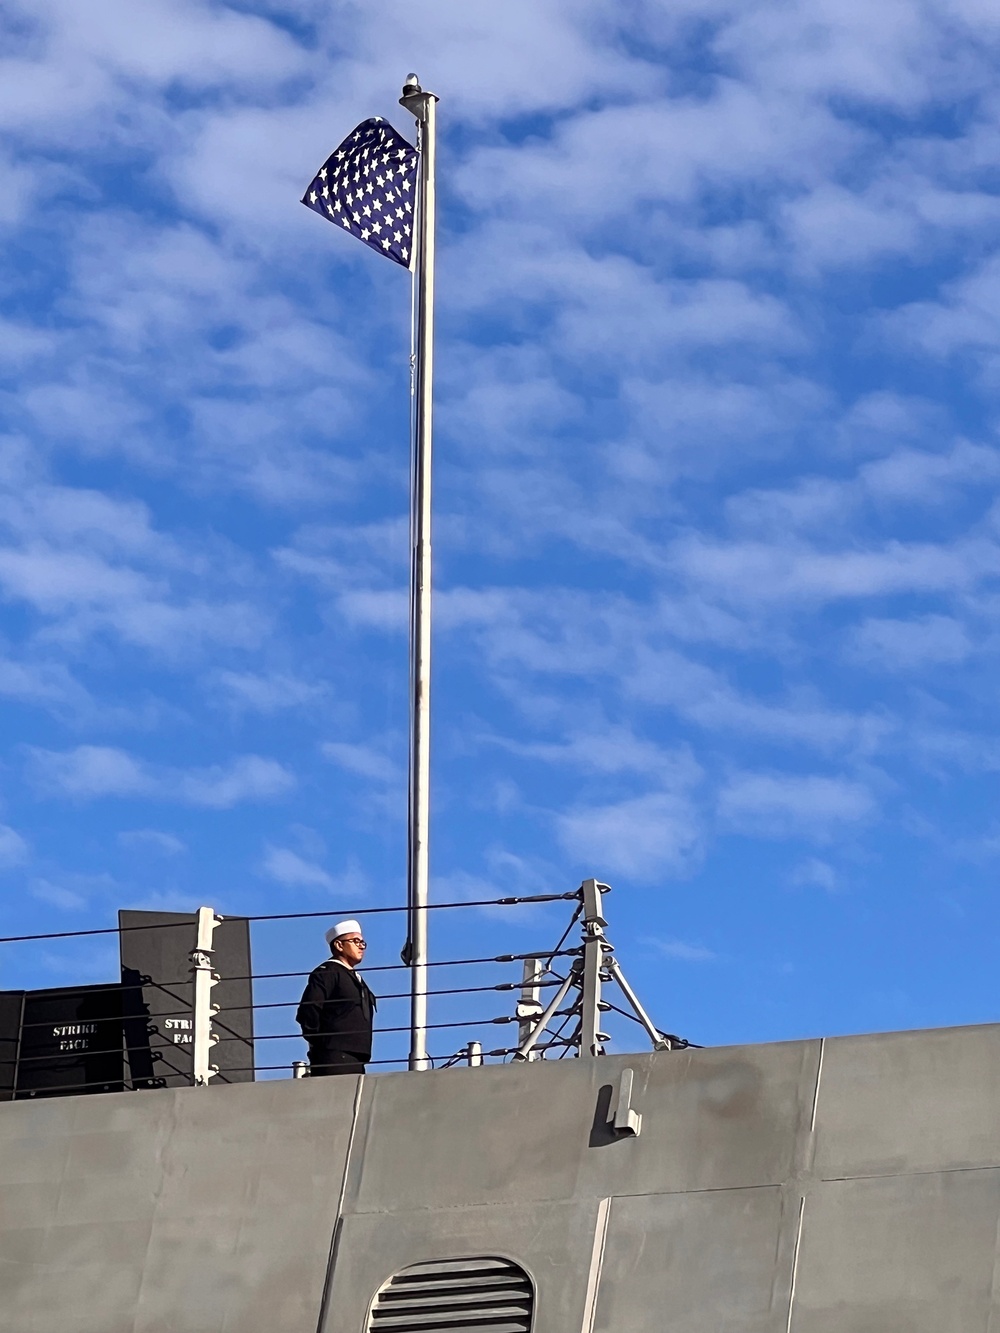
(290, 916)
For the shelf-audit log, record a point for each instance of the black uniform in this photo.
(336, 1015)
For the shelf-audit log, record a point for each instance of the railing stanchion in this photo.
(594, 946)
(530, 1007)
(204, 978)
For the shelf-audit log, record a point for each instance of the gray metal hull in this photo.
(845, 1186)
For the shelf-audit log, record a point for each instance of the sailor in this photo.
(337, 1008)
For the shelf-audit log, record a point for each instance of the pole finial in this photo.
(416, 99)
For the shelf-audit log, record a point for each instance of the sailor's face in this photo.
(351, 948)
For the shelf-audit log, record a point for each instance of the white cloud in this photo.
(505, 874)
(246, 778)
(705, 698)
(824, 506)
(682, 952)
(963, 320)
(907, 645)
(373, 607)
(784, 572)
(92, 771)
(268, 693)
(149, 839)
(814, 873)
(56, 895)
(162, 900)
(349, 882)
(88, 564)
(787, 805)
(294, 871)
(363, 760)
(86, 68)
(46, 683)
(610, 749)
(642, 838)
(914, 476)
(833, 227)
(14, 850)
(889, 56)
(72, 891)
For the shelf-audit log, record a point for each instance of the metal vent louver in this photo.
(455, 1296)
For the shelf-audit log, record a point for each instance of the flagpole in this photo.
(422, 106)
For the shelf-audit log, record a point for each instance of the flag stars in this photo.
(362, 187)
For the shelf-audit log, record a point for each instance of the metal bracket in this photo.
(591, 891)
(626, 1122)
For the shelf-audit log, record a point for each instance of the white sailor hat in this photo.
(349, 927)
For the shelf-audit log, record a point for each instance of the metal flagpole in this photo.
(365, 187)
(422, 106)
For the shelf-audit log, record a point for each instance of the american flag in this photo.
(367, 186)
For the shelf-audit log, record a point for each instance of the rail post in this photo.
(595, 946)
(204, 977)
(529, 1006)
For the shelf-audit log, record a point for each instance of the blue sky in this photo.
(717, 534)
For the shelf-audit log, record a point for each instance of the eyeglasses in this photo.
(362, 944)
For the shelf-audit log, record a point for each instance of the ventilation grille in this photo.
(456, 1296)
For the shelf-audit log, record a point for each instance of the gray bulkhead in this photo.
(844, 1186)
